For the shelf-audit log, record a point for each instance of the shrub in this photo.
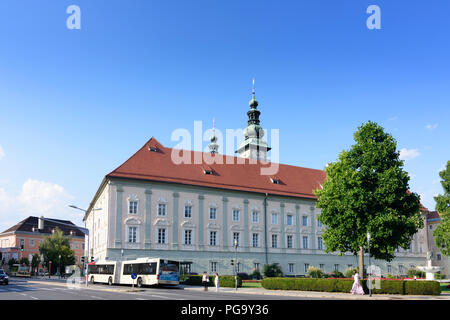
(272, 270)
(415, 272)
(345, 285)
(439, 276)
(255, 274)
(336, 274)
(243, 275)
(314, 272)
(422, 287)
(348, 273)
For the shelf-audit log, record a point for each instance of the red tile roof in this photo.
(158, 166)
(433, 215)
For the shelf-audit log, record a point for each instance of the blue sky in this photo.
(75, 104)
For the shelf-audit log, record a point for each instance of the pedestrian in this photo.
(216, 281)
(205, 280)
(356, 288)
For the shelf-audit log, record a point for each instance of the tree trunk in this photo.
(361, 262)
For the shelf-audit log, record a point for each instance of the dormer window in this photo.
(207, 170)
(275, 180)
(152, 148)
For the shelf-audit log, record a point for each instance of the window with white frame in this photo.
(236, 214)
(213, 238)
(319, 223)
(319, 243)
(438, 257)
(162, 209)
(255, 216)
(31, 242)
(290, 220)
(161, 235)
(255, 240)
(274, 218)
(336, 267)
(212, 213)
(256, 265)
(213, 266)
(188, 211)
(238, 267)
(291, 267)
(401, 269)
(322, 267)
(305, 221)
(289, 242)
(389, 268)
(187, 236)
(132, 207)
(306, 267)
(349, 266)
(236, 238)
(132, 234)
(274, 241)
(305, 242)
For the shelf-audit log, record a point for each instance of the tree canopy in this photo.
(57, 245)
(442, 232)
(367, 190)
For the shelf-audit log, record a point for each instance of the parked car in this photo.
(3, 277)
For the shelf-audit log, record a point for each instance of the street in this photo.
(32, 289)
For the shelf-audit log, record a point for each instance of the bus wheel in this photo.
(92, 280)
(139, 282)
(110, 281)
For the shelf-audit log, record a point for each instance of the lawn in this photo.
(444, 287)
(246, 284)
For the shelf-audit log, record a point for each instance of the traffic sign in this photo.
(133, 276)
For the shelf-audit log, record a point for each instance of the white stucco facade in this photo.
(284, 231)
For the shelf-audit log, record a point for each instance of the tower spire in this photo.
(213, 146)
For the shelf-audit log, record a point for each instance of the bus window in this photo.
(168, 266)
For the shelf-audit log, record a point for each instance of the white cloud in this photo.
(431, 126)
(406, 154)
(393, 118)
(35, 199)
(2, 153)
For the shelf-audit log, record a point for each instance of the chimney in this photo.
(41, 223)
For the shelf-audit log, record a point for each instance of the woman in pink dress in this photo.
(357, 287)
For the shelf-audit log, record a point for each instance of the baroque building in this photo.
(196, 210)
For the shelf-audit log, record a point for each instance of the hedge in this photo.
(345, 285)
(224, 281)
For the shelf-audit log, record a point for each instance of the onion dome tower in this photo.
(213, 146)
(253, 147)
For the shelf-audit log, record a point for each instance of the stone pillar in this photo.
(119, 198)
(313, 229)
(225, 244)
(176, 197)
(297, 229)
(200, 239)
(148, 219)
(246, 243)
(283, 240)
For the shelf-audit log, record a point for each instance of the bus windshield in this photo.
(168, 266)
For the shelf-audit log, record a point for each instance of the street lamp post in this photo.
(59, 266)
(370, 268)
(235, 263)
(86, 231)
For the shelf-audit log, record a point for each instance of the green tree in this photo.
(56, 248)
(442, 232)
(366, 190)
(35, 261)
(24, 261)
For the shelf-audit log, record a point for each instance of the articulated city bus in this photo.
(148, 271)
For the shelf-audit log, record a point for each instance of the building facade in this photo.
(30, 233)
(437, 258)
(195, 210)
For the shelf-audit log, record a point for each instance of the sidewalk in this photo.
(320, 295)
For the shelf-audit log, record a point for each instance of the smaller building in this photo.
(437, 258)
(29, 234)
